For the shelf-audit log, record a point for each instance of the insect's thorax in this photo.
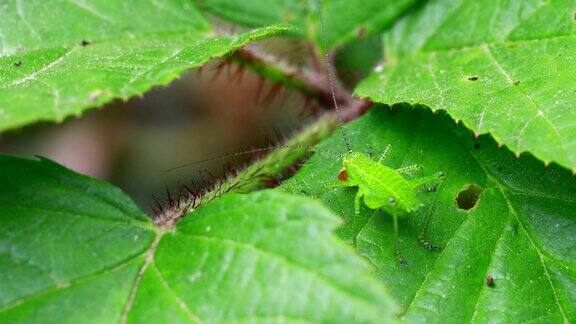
(380, 184)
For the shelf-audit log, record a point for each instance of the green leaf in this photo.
(70, 246)
(344, 19)
(502, 67)
(261, 257)
(74, 249)
(520, 231)
(58, 58)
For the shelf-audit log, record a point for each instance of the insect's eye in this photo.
(391, 200)
(343, 175)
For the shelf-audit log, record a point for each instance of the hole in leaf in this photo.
(472, 78)
(468, 197)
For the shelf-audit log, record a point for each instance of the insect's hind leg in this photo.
(396, 241)
(428, 245)
(430, 183)
(422, 234)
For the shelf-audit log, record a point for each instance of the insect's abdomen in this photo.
(395, 185)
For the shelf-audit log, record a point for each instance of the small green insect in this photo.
(384, 188)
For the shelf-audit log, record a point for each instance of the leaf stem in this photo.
(251, 177)
(311, 83)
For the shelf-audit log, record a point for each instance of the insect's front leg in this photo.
(357, 202)
(334, 184)
(342, 182)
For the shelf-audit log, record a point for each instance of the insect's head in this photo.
(343, 173)
(347, 158)
(351, 161)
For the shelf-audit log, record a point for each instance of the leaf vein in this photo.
(181, 303)
(47, 67)
(502, 188)
(90, 10)
(78, 280)
(541, 257)
(288, 262)
(132, 296)
(20, 12)
(539, 113)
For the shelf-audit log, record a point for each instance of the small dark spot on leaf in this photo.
(476, 145)
(472, 78)
(490, 281)
(85, 42)
(516, 82)
(467, 198)
(574, 16)
(18, 64)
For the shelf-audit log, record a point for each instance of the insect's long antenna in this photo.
(251, 151)
(330, 77)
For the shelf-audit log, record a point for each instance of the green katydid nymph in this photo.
(384, 188)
